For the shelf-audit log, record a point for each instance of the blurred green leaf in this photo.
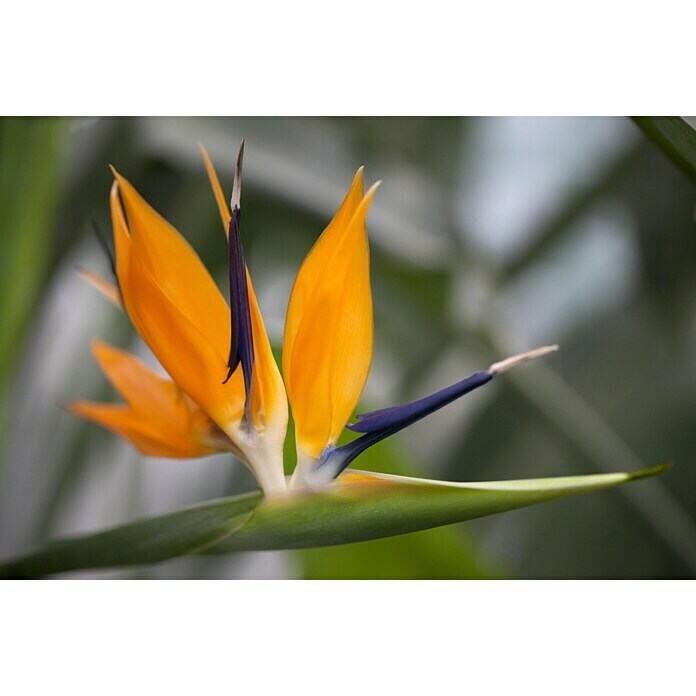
(29, 178)
(674, 136)
(139, 543)
(361, 507)
(444, 553)
(610, 181)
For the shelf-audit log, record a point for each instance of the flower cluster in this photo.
(225, 392)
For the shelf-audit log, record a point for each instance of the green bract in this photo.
(358, 507)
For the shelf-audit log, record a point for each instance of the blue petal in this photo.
(241, 340)
(408, 413)
(378, 425)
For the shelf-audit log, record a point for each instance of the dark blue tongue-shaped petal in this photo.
(241, 340)
(378, 425)
(402, 416)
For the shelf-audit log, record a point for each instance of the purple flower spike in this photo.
(378, 425)
(403, 416)
(241, 339)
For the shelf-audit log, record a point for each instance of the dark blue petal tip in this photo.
(378, 425)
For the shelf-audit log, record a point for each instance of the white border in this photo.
(365, 57)
(491, 637)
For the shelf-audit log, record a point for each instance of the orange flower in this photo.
(158, 418)
(327, 347)
(226, 392)
(181, 314)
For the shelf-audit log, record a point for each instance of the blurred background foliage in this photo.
(488, 236)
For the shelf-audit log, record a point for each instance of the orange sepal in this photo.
(158, 418)
(195, 361)
(329, 328)
(175, 267)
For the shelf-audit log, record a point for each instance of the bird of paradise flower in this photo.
(224, 393)
(227, 393)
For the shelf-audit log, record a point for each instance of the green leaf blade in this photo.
(380, 506)
(361, 506)
(143, 542)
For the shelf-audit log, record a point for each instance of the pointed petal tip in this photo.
(83, 272)
(359, 181)
(368, 197)
(372, 190)
(217, 189)
(203, 151)
(120, 182)
(96, 345)
(105, 287)
(240, 158)
(101, 352)
(78, 408)
(236, 198)
(515, 360)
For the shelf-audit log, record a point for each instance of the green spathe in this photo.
(143, 542)
(358, 507)
(363, 506)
